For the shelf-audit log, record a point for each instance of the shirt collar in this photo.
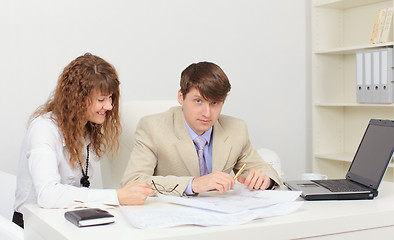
(206, 135)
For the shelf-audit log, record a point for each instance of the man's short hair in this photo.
(208, 78)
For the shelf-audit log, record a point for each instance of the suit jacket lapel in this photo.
(221, 147)
(185, 146)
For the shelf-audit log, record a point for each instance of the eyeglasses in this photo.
(162, 190)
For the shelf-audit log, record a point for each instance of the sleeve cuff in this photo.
(188, 191)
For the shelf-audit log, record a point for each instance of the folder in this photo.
(386, 85)
(375, 89)
(380, 25)
(360, 77)
(387, 33)
(367, 77)
(375, 27)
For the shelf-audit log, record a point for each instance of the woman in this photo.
(76, 126)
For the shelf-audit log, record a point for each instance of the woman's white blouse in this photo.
(45, 175)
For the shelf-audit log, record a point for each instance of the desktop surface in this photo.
(316, 219)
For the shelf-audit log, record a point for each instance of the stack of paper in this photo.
(212, 209)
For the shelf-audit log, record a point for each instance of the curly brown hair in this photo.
(68, 106)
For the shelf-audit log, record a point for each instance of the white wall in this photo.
(262, 45)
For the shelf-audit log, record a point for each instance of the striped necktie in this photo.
(200, 143)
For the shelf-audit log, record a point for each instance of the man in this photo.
(194, 146)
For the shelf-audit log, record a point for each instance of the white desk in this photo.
(361, 219)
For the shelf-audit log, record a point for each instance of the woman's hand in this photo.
(134, 193)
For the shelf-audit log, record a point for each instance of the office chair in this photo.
(131, 112)
(8, 229)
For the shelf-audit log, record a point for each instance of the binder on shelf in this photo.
(367, 77)
(374, 76)
(360, 77)
(386, 84)
(375, 88)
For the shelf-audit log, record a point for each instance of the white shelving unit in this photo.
(339, 29)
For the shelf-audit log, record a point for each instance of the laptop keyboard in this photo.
(340, 185)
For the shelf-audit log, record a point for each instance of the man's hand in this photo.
(255, 179)
(220, 181)
(134, 193)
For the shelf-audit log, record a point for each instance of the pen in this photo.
(240, 171)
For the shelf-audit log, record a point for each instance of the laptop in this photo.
(365, 172)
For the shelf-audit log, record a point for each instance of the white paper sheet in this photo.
(170, 217)
(234, 201)
(213, 209)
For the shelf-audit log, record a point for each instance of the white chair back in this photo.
(7, 188)
(272, 158)
(131, 112)
(9, 230)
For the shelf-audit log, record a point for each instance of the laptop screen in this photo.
(373, 154)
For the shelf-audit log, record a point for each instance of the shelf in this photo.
(344, 4)
(353, 49)
(342, 157)
(339, 29)
(384, 105)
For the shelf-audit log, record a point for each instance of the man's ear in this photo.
(180, 97)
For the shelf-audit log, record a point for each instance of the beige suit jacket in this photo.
(164, 151)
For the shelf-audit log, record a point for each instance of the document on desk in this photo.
(231, 202)
(249, 205)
